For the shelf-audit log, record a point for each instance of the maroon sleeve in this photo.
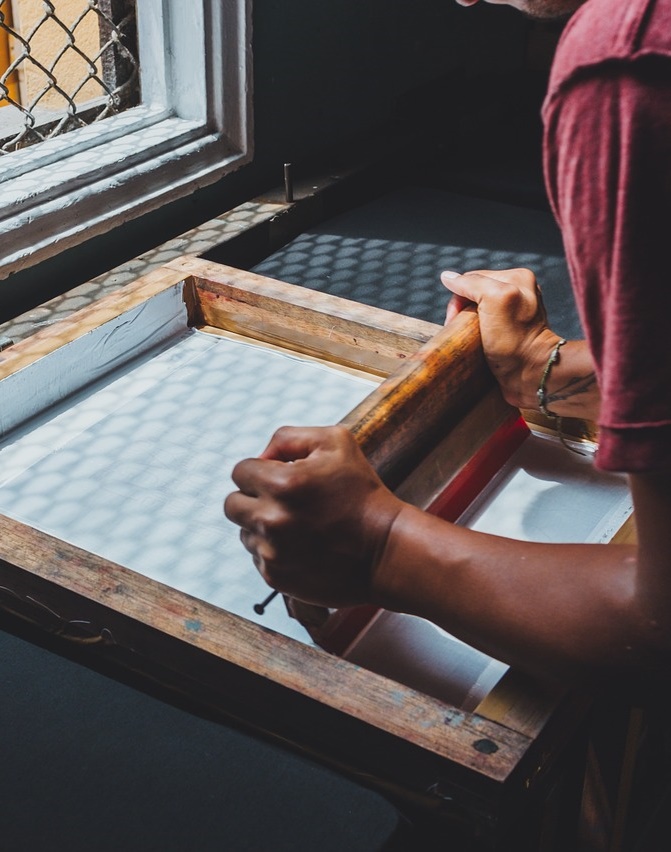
(608, 170)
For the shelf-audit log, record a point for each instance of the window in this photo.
(64, 64)
(190, 128)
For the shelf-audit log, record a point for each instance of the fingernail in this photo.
(447, 273)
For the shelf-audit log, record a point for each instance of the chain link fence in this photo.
(63, 65)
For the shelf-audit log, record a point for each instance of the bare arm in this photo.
(580, 613)
(326, 530)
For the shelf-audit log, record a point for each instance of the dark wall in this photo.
(325, 71)
(325, 74)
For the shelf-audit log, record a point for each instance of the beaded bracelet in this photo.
(541, 393)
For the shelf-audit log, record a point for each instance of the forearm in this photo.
(324, 529)
(566, 611)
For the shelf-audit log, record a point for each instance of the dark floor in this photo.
(88, 762)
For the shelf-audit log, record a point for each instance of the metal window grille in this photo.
(64, 65)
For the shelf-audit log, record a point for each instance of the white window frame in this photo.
(193, 127)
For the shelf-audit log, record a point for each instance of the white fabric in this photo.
(136, 468)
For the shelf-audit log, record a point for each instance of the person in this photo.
(322, 527)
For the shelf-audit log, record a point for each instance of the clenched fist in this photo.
(314, 515)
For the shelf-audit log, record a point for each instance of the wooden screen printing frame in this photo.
(486, 770)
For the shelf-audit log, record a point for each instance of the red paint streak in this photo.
(458, 495)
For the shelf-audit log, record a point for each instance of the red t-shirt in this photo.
(607, 149)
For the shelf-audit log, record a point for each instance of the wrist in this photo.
(536, 364)
(519, 373)
(543, 393)
(566, 382)
(395, 574)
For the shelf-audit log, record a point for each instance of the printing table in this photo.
(110, 539)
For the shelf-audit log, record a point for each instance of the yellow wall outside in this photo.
(47, 43)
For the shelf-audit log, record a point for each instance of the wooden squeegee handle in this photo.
(400, 421)
(404, 417)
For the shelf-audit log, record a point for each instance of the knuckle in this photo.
(340, 439)
(271, 566)
(288, 482)
(506, 298)
(273, 523)
(229, 506)
(341, 433)
(267, 556)
(282, 433)
(238, 469)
